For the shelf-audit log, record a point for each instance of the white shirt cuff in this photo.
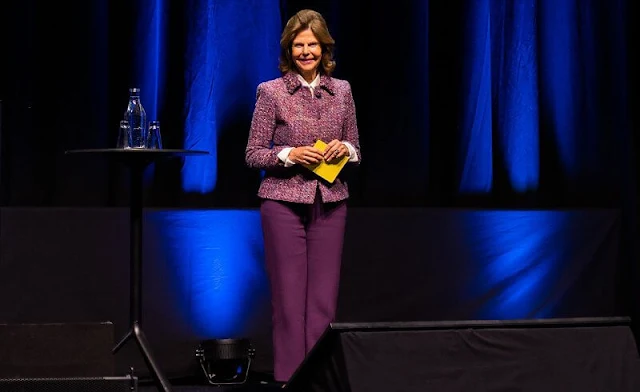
(353, 155)
(284, 157)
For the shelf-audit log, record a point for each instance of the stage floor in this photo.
(256, 382)
(210, 388)
(248, 387)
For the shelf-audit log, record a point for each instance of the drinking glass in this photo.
(155, 139)
(124, 135)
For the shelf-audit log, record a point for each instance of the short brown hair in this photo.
(303, 20)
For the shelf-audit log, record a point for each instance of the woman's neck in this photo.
(310, 77)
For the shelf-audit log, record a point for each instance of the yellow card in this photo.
(327, 171)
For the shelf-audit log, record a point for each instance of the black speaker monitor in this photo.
(581, 354)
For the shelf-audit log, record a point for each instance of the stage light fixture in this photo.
(225, 361)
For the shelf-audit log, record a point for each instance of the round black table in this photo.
(136, 160)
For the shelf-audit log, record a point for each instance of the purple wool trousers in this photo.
(303, 253)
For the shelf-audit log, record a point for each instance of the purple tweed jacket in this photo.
(286, 115)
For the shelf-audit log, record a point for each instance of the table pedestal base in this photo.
(136, 333)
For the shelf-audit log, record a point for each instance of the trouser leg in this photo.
(325, 235)
(286, 265)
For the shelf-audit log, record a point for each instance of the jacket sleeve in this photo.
(260, 153)
(350, 125)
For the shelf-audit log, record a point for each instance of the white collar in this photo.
(314, 83)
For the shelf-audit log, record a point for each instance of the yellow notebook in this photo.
(327, 171)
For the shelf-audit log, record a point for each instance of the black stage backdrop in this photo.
(496, 105)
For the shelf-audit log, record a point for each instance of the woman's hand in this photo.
(335, 150)
(305, 155)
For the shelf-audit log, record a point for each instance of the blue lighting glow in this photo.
(560, 74)
(150, 56)
(231, 47)
(500, 96)
(517, 257)
(217, 261)
(518, 92)
(476, 134)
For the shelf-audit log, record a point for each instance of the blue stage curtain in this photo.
(231, 46)
(500, 119)
(542, 70)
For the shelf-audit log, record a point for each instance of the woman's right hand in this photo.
(305, 155)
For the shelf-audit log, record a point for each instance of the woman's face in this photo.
(306, 53)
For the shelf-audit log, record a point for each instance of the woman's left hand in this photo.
(335, 150)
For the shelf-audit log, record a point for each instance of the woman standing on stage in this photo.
(303, 216)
